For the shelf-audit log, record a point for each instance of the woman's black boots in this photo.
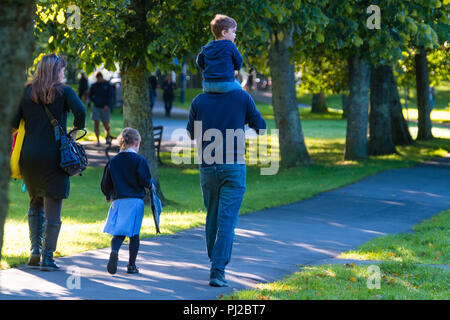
(36, 227)
(51, 233)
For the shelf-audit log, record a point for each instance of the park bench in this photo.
(157, 136)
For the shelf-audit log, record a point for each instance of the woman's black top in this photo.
(40, 156)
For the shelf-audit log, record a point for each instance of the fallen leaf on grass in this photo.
(352, 279)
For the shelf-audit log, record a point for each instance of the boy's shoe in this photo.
(217, 279)
(132, 269)
(112, 263)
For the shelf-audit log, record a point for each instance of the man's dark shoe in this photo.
(112, 263)
(132, 269)
(217, 279)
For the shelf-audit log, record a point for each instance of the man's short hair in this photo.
(98, 74)
(221, 22)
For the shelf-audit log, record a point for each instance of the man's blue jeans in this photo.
(223, 188)
(220, 87)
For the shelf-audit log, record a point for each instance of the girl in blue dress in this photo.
(125, 178)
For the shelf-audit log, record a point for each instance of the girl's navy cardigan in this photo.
(126, 176)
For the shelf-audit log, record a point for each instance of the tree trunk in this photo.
(318, 103)
(344, 106)
(287, 117)
(16, 48)
(380, 130)
(423, 96)
(138, 115)
(399, 126)
(358, 108)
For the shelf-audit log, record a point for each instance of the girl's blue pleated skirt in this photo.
(125, 217)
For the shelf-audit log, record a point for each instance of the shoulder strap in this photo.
(55, 124)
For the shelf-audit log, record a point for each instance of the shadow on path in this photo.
(269, 244)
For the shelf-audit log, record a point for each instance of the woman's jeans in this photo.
(220, 87)
(223, 188)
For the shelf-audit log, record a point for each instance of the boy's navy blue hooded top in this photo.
(218, 60)
(223, 111)
(126, 176)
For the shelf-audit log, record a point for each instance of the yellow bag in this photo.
(17, 149)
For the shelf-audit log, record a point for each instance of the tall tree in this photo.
(371, 32)
(423, 96)
(380, 141)
(399, 126)
(17, 45)
(358, 105)
(431, 20)
(284, 99)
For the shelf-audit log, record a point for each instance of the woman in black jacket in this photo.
(46, 182)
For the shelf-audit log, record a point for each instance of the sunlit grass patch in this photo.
(351, 282)
(428, 244)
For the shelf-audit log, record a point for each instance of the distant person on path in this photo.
(46, 182)
(152, 85)
(100, 94)
(168, 94)
(432, 93)
(220, 60)
(222, 179)
(249, 84)
(125, 178)
(83, 86)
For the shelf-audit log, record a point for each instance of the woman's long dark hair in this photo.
(46, 82)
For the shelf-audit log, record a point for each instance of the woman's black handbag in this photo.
(73, 156)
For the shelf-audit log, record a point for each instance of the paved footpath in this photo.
(269, 244)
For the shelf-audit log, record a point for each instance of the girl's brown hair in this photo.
(46, 82)
(128, 137)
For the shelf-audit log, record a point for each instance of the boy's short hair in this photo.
(221, 22)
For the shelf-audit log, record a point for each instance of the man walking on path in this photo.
(223, 171)
(101, 94)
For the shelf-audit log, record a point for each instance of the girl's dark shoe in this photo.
(132, 269)
(112, 263)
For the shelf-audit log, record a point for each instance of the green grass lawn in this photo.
(404, 273)
(84, 213)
